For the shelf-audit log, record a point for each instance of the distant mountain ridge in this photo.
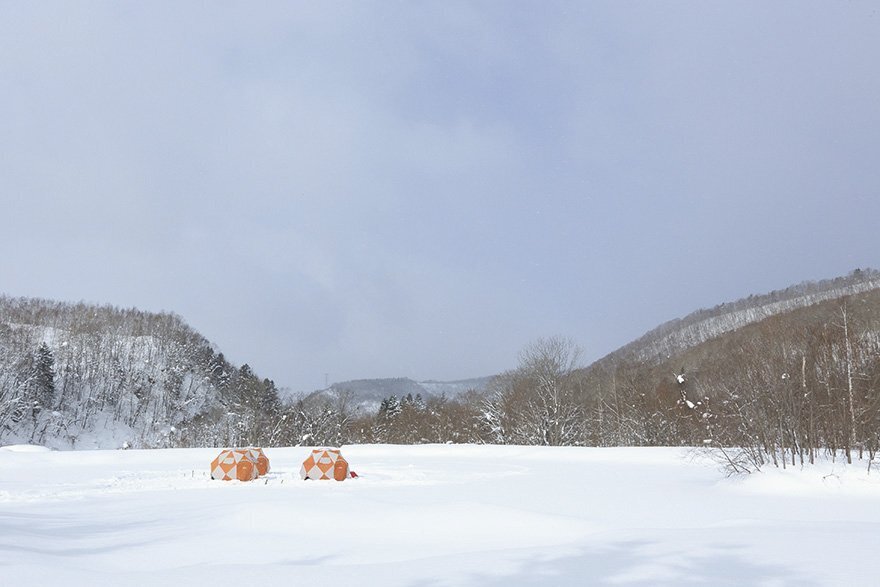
(675, 336)
(367, 394)
(654, 347)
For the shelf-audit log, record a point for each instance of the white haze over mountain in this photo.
(370, 190)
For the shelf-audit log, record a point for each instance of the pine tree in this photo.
(43, 379)
(393, 407)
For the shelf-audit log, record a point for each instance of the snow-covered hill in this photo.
(433, 515)
(675, 336)
(84, 376)
(367, 394)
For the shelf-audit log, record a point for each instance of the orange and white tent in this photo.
(325, 463)
(260, 458)
(234, 463)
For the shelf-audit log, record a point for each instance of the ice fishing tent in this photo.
(260, 458)
(234, 463)
(325, 463)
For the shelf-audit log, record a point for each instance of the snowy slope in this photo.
(675, 336)
(433, 515)
(85, 376)
(367, 394)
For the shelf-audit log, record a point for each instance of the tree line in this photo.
(778, 392)
(76, 375)
(781, 392)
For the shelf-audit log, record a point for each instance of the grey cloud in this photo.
(369, 189)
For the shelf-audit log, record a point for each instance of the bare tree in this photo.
(539, 402)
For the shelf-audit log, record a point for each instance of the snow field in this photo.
(434, 515)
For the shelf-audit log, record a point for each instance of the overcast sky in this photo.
(419, 189)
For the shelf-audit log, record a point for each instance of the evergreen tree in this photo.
(393, 407)
(43, 379)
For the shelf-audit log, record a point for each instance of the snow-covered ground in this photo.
(433, 515)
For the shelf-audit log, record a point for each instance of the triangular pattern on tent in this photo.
(260, 458)
(325, 464)
(235, 463)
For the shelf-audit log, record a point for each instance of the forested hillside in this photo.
(773, 379)
(777, 391)
(770, 379)
(75, 375)
(677, 335)
(366, 395)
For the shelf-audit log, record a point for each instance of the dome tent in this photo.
(234, 463)
(260, 458)
(325, 464)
